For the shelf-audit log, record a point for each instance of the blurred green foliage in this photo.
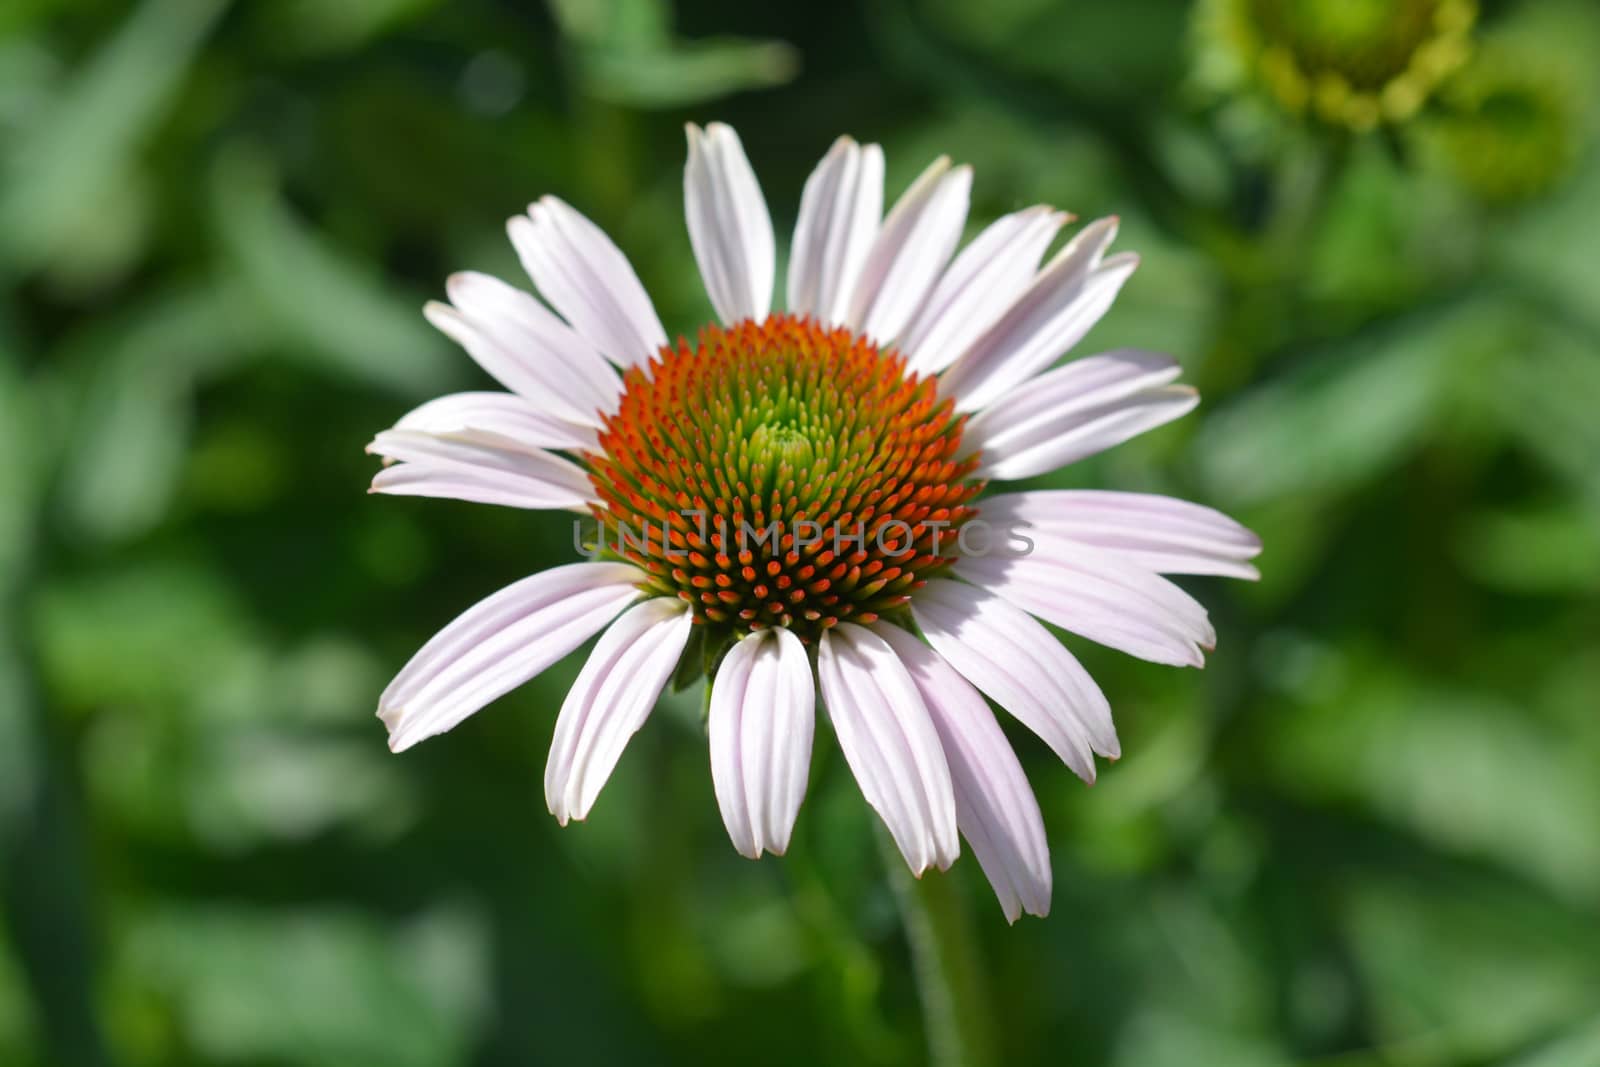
(1368, 834)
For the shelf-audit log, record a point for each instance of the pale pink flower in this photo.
(902, 378)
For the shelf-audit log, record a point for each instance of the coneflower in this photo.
(795, 498)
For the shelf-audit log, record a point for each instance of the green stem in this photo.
(944, 959)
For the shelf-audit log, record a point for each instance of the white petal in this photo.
(503, 419)
(912, 247)
(729, 226)
(1064, 301)
(548, 354)
(1159, 533)
(585, 277)
(983, 281)
(995, 807)
(478, 467)
(614, 694)
(501, 642)
(507, 366)
(760, 724)
(1093, 593)
(839, 212)
(890, 744)
(1022, 667)
(1085, 407)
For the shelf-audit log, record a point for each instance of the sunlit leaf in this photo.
(1469, 971)
(77, 151)
(128, 449)
(1544, 550)
(621, 24)
(314, 27)
(1169, 1039)
(687, 72)
(328, 310)
(1348, 415)
(1577, 1048)
(1542, 393)
(312, 987)
(1461, 770)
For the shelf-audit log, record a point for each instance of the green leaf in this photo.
(1579, 1048)
(325, 307)
(1542, 391)
(315, 27)
(1468, 972)
(133, 431)
(1351, 414)
(686, 72)
(307, 987)
(19, 492)
(76, 153)
(1549, 549)
(622, 24)
(1461, 770)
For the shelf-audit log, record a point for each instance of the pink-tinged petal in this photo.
(1159, 533)
(1093, 593)
(614, 694)
(503, 420)
(760, 728)
(729, 226)
(506, 365)
(839, 212)
(995, 807)
(1022, 667)
(1066, 299)
(890, 743)
(979, 286)
(912, 247)
(478, 468)
(586, 278)
(1085, 407)
(501, 642)
(570, 377)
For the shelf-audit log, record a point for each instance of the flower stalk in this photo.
(945, 962)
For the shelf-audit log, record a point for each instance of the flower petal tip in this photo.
(391, 718)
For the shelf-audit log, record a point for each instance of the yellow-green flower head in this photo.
(1352, 63)
(1509, 130)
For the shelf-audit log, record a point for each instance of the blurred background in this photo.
(1367, 834)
